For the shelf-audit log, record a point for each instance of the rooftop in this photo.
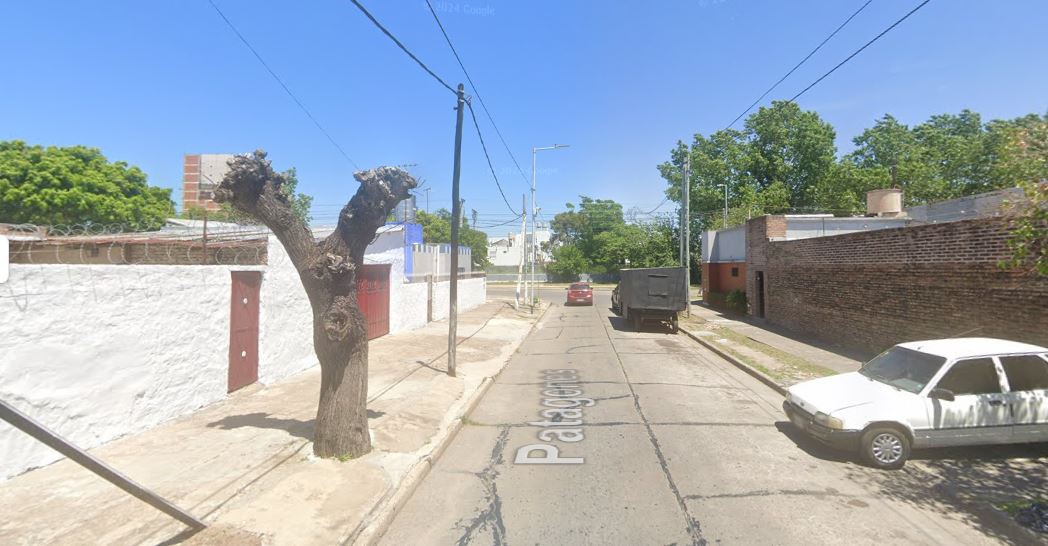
(971, 346)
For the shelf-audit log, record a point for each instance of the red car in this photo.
(580, 293)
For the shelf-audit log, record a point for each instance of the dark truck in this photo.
(650, 294)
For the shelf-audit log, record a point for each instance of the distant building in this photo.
(201, 174)
(506, 251)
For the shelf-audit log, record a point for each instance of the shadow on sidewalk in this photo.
(294, 427)
(763, 324)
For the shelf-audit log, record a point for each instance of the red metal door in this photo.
(243, 329)
(373, 297)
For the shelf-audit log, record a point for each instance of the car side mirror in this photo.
(941, 394)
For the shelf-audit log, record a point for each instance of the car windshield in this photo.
(903, 368)
(580, 286)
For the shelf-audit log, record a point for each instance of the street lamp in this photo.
(534, 212)
(725, 186)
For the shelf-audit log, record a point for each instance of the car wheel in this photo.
(885, 447)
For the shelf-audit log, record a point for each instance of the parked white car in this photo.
(944, 392)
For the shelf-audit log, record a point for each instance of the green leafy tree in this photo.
(76, 185)
(568, 262)
(790, 146)
(436, 228)
(1026, 165)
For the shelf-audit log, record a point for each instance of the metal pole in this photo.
(49, 438)
(456, 213)
(523, 237)
(531, 243)
(203, 260)
(725, 206)
(686, 233)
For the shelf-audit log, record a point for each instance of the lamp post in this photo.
(725, 186)
(533, 253)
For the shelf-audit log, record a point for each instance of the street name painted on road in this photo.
(563, 419)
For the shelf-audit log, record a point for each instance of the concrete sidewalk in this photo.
(776, 354)
(245, 465)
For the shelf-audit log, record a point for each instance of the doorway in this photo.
(243, 328)
(759, 303)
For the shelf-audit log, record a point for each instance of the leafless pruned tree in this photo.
(328, 269)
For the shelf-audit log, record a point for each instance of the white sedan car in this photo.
(944, 392)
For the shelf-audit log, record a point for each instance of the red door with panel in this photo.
(243, 328)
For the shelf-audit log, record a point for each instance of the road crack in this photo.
(491, 516)
(694, 529)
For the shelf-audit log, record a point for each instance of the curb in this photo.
(383, 514)
(757, 374)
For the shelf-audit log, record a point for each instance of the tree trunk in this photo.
(328, 270)
(342, 426)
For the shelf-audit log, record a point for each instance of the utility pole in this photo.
(427, 200)
(725, 206)
(531, 241)
(686, 233)
(534, 212)
(523, 234)
(456, 213)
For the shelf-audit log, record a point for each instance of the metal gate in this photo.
(243, 328)
(373, 297)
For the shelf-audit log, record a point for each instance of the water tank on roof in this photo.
(886, 202)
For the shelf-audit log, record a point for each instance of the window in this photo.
(976, 376)
(1026, 373)
(734, 272)
(904, 368)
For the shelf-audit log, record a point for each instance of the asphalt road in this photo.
(678, 447)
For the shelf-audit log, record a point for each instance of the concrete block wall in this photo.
(875, 289)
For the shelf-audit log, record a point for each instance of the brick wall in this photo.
(758, 231)
(873, 289)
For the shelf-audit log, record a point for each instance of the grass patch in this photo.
(345, 457)
(470, 422)
(1012, 507)
(793, 362)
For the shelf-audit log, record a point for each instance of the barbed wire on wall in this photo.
(101, 244)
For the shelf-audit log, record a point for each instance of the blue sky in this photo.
(620, 82)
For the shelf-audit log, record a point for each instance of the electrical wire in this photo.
(798, 65)
(282, 84)
(488, 157)
(857, 51)
(476, 91)
(401, 46)
(657, 207)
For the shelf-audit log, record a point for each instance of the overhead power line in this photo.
(488, 157)
(857, 51)
(282, 84)
(402, 46)
(798, 65)
(476, 91)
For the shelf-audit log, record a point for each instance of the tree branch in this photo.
(253, 187)
(379, 192)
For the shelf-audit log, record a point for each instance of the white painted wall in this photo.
(96, 352)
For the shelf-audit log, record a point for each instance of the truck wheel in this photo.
(885, 447)
(674, 328)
